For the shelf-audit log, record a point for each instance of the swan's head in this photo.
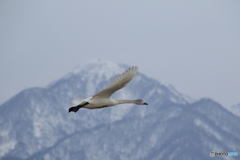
(140, 102)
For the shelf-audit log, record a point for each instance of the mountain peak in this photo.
(102, 68)
(98, 64)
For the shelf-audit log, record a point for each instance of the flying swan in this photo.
(102, 99)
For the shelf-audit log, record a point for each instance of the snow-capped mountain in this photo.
(35, 124)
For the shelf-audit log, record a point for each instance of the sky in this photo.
(192, 45)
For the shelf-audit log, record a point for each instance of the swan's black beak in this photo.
(145, 103)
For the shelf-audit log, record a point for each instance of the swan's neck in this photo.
(124, 101)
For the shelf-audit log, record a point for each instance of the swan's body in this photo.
(102, 99)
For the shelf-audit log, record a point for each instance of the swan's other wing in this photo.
(77, 101)
(118, 83)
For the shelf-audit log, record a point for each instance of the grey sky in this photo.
(193, 45)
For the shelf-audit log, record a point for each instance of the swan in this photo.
(102, 98)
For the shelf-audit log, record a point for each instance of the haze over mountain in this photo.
(35, 124)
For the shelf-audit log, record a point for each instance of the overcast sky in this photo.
(193, 45)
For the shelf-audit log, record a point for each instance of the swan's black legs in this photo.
(76, 108)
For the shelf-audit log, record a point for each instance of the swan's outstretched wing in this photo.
(118, 83)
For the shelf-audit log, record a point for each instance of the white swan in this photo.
(102, 99)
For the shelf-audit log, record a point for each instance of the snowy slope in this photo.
(35, 124)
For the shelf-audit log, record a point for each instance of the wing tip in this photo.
(134, 69)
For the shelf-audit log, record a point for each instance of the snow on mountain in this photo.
(35, 124)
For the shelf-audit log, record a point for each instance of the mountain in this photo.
(35, 124)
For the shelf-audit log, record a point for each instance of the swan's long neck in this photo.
(124, 101)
